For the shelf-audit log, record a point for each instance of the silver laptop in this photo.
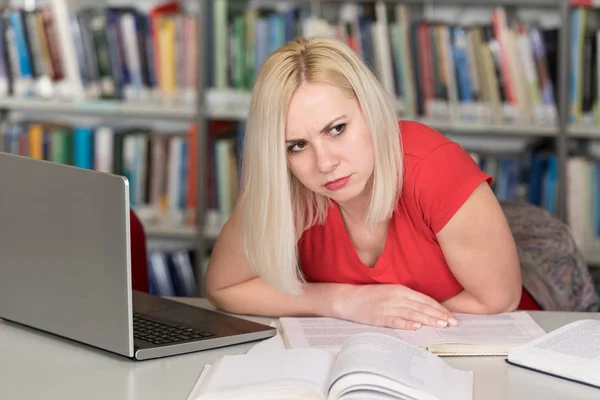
(65, 267)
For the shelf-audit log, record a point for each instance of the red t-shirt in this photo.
(439, 176)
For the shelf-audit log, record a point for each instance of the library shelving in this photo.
(101, 108)
(564, 80)
(79, 78)
(215, 88)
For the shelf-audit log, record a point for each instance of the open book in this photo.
(474, 335)
(571, 352)
(369, 367)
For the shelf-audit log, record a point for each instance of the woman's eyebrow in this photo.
(328, 127)
(325, 129)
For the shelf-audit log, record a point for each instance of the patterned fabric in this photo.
(553, 269)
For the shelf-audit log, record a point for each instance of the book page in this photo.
(572, 350)
(195, 392)
(274, 343)
(497, 332)
(326, 333)
(363, 394)
(500, 330)
(374, 357)
(268, 374)
(581, 340)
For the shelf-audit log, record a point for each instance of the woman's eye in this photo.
(297, 147)
(338, 129)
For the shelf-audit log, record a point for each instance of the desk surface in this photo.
(35, 365)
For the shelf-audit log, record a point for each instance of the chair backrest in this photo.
(553, 269)
(139, 259)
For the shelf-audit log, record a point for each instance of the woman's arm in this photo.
(481, 252)
(232, 286)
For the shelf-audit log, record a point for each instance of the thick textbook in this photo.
(476, 335)
(369, 366)
(571, 352)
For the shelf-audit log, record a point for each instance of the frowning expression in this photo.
(328, 143)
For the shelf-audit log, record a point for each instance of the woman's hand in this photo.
(392, 306)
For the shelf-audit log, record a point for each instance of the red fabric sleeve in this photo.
(447, 176)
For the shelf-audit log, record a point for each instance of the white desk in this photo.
(35, 365)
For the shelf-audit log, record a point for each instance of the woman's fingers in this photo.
(395, 322)
(423, 298)
(416, 313)
(424, 313)
(429, 306)
(398, 307)
(429, 317)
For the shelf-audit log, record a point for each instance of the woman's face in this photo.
(328, 144)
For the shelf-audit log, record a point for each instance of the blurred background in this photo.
(158, 91)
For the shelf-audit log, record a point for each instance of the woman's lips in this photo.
(338, 183)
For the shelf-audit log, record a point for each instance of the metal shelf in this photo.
(592, 259)
(489, 129)
(227, 104)
(447, 127)
(176, 232)
(489, 3)
(170, 232)
(231, 105)
(584, 131)
(224, 114)
(106, 108)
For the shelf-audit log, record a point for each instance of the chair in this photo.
(554, 272)
(139, 258)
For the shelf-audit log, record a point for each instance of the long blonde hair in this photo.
(276, 208)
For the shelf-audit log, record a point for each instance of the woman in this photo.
(345, 212)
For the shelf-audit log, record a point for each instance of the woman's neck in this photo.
(355, 210)
(353, 216)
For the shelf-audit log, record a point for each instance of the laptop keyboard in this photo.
(155, 332)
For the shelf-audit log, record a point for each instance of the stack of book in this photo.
(81, 51)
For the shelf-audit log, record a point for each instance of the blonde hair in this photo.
(276, 208)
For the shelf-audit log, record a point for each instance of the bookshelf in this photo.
(557, 130)
(562, 131)
(55, 45)
(101, 108)
(228, 104)
(483, 129)
(487, 3)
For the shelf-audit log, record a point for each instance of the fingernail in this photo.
(441, 323)
(452, 321)
(416, 325)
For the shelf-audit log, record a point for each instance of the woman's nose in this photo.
(326, 159)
